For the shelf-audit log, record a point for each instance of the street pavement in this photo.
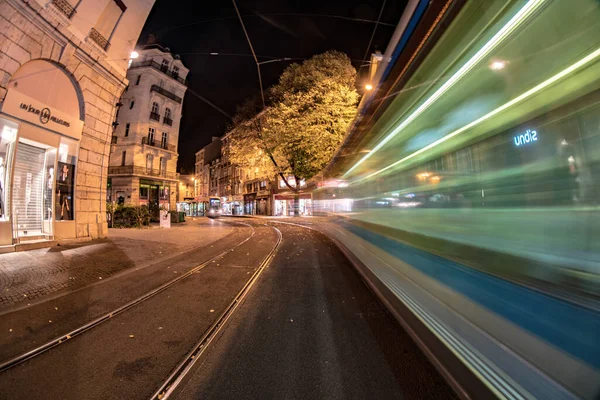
(30, 276)
(28, 327)
(309, 328)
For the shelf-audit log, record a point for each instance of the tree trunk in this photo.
(296, 204)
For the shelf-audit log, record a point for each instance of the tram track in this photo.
(171, 384)
(64, 338)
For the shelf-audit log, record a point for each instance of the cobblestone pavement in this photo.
(27, 276)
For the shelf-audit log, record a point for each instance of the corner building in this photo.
(143, 159)
(62, 71)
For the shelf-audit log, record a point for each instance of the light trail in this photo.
(590, 57)
(515, 22)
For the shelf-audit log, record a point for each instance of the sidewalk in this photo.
(27, 276)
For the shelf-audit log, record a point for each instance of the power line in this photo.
(373, 34)
(262, 93)
(278, 15)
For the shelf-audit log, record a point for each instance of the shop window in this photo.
(65, 179)
(144, 192)
(8, 135)
(127, 129)
(164, 192)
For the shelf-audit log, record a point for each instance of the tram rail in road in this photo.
(57, 341)
(179, 373)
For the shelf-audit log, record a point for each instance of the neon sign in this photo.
(528, 137)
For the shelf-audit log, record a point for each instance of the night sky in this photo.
(296, 29)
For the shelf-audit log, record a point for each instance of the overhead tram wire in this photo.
(372, 35)
(277, 15)
(262, 93)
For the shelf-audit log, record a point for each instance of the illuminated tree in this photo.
(309, 111)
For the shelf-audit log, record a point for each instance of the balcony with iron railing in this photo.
(166, 93)
(154, 143)
(165, 70)
(154, 116)
(141, 171)
(100, 40)
(167, 121)
(65, 7)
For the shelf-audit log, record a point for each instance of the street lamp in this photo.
(369, 87)
(134, 54)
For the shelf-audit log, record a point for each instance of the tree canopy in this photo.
(309, 111)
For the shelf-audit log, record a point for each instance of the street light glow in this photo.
(369, 87)
(134, 54)
(497, 65)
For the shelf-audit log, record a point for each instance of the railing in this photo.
(167, 121)
(64, 7)
(135, 170)
(166, 93)
(99, 39)
(154, 116)
(151, 142)
(159, 67)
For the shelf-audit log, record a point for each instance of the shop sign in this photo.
(24, 107)
(238, 197)
(262, 193)
(528, 137)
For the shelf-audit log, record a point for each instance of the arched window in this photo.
(155, 108)
(168, 113)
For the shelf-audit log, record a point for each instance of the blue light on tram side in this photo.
(528, 137)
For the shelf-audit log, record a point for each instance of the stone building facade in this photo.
(62, 71)
(143, 161)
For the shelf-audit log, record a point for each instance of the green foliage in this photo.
(310, 111)
(130, 216)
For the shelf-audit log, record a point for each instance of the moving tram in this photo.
(212, 207)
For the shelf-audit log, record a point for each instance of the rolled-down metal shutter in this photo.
(27, 188)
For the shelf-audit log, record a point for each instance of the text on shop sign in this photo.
(528, 137)
(45, 115)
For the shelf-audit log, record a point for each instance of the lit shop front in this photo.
(41, 122)
(284, 204)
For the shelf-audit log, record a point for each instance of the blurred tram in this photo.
(473, 176)
(212, 207)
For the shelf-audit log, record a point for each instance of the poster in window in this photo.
(64, 191)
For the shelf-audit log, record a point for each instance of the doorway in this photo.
(28, 194)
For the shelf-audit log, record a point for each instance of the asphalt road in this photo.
(309, 328)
